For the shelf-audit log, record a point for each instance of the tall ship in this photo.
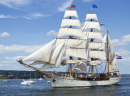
(88, 57)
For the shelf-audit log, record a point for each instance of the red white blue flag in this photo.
(118, 57)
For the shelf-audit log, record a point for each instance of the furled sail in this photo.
(73, 61)
(72, 13)
(70, 22)
(94, 62)
(91, 25)
(91, 16)
(70, 32)
(75, 43)
(42, 54)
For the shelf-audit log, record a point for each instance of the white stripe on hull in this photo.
(70, 82)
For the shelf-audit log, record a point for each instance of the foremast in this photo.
(72, 31)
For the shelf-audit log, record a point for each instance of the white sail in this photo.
(111, 50)
(57, 64)
(91, 16)
(56, 53)
(70, 22)
(113, 66)
(80, 68)
(97, 55)
(94, 62)
(96, 45)
(73, 61)
(81, 53)
(105, 38)
(70, 13)
(37, 63)
(59, 60)
(70, 32)
(53, 57)
(91, 25)
(42, 54)
(94, 35)
(76, 43)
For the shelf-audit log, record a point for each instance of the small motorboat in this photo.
(6, 81)
(28, 82)
(48, 81)
(40, 79)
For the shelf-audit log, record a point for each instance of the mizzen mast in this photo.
(107, 51)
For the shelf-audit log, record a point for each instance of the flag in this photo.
(118, 57)
(94, 6)
(73, 6)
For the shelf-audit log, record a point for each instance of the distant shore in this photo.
(14, 74)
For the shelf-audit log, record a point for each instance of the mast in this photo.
(91, 49)
(70, 37)
(107, 52)
(96, 52)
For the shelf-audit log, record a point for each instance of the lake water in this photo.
(42, 88)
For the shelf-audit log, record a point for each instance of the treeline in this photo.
(14, 74)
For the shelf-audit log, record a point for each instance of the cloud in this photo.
(124, 60)
(125, 56)
(16, 48)
(65, 5)
(125, 40)
(14, 58)
(32, 16)
(6, 16)
(15, 3)
(87, 0)
(4, 34)
(122, 52)
(36, 15)
(11, 59)
(52, 33)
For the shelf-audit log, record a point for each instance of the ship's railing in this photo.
(87, 76)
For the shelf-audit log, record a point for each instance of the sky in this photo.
(27, 25)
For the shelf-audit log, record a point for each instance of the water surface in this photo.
(42, 88)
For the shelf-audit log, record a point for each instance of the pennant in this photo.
(73, 6)
(94, 6)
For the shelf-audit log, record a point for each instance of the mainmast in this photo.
(96, 49)
(91, 49)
